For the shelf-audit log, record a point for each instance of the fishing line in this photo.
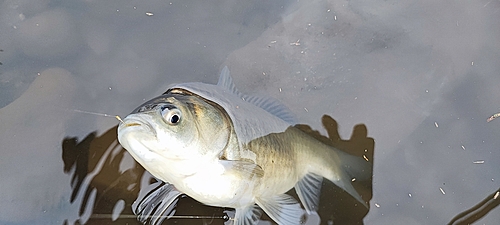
(92, 113)
(97, 114)
(106, 216)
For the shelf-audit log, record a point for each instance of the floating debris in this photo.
(377, 205)
(149, 14)
(436, 124)
(478, 162)
(494, 116)
(442, 191)
(496, 195)
(297, 43)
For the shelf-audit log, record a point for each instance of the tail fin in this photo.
(354, 169)
(357, 168)
(355, 157)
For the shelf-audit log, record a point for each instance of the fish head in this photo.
(176, 127)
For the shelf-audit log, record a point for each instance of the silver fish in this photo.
(227, 149)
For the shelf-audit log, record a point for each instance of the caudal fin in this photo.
(354, 169)
(357, 168)
(351, 160)
(356, 157)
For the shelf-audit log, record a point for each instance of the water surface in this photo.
(421, 75)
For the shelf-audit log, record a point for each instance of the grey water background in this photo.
(423, 76)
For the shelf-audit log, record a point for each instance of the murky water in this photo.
(422, 76)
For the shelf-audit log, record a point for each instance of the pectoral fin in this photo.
(242, 168)
(157, 204)
(308, 189)
(283, 209)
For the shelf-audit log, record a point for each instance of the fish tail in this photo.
(353, 169)
(340, 168)
(357, 168)
(324, 158)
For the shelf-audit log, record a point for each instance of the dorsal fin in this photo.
(269, 104)
(226, 81)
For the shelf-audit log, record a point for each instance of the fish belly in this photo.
(219, 189)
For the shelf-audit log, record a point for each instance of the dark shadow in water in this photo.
(478, 211)
(94, 164)
(340, 207)
(99, 184)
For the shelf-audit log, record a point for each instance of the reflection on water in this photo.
(98, 183)
(400, 67)
(477, 212)
(336, 205)
(106, 185)
(105, 189)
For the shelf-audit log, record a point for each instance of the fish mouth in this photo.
(137, 122)
(132, 124)
(134, 133)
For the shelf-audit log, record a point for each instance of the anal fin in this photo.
(309, 189)
(283, 209)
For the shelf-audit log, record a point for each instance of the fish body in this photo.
(227, 149)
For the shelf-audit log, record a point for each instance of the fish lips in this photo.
(135, 125)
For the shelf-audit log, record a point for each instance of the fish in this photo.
(228, 149)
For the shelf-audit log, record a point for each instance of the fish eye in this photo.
(171, 115)
(174, 118)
